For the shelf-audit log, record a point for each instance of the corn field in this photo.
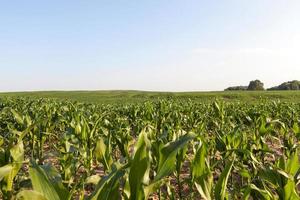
(167, 149)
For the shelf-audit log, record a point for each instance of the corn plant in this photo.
(162, 149)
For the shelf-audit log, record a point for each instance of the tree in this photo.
(238, 88)
(256, 85)
(290, 85)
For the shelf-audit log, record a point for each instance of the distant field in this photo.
(139, 96)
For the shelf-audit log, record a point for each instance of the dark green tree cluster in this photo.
(253, 85)
(290, 85)
(256, 85)
(234, 88)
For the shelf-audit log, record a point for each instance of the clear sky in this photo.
(168, 45)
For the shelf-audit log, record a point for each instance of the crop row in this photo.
(154, 150)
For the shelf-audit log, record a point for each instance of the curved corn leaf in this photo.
(17, 153)
(221, 186)
(140, 167)
(293, 164)
(108, 187)
(47, 185)
(5, 171)
(167, 156)
(290, 191)
(262, 193)
(101, 153)
(17, 116)
(30, 195)
(201, 173)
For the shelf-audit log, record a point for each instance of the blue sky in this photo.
(147, 45)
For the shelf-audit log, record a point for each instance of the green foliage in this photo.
(290, 85)
(136, 97)
(236, 88)
(220, 190)
(255, 85)
(167, 149)
(46, 180)
(140, 168)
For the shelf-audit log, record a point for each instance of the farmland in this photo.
(137, 145)
(132, 96)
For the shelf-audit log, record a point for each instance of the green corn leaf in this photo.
(55, 179)
(262, 193)
(199, 165)
(245, 173)
(168, 154)
(140, 168)
(41, 183)
(293, 164)
(126, 188)
(201, 173)
(221, 186)
(101, 153)
(290, 192)
(1, 140)
(270, 176)
(30, 195)
(108, 187)
(204, 188)
(5, 171)
(94, 179)
(296, 128)
(153, 187)
(17, 153)
(181, 155)
(17, 117)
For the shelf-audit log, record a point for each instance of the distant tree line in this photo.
(236, 88)
(258, 85)
(290, 85)
(253, 85)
